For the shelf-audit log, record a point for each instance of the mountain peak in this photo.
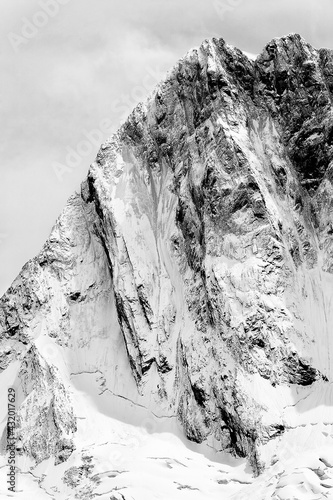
(187, 289)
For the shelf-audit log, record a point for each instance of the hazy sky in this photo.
(68, 66)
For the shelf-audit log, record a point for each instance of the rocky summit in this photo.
(173, 338)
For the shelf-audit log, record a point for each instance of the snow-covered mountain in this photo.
(173, 338)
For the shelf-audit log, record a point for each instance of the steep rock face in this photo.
(194, 269)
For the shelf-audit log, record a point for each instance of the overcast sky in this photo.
(72, 69)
